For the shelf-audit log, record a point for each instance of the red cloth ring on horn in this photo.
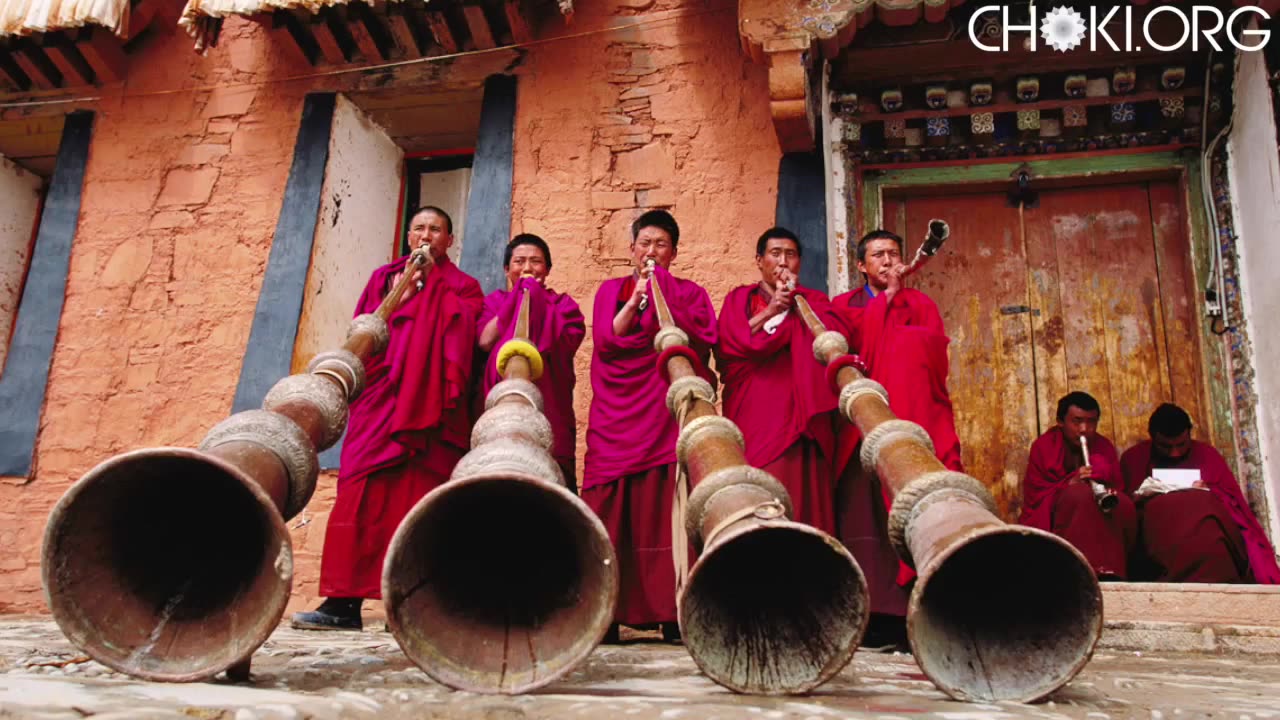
(687, 353)
(844, 361)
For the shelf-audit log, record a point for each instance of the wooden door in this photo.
(982, 269)
(1089, 290)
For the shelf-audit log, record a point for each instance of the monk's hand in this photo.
(638, 294)
(782, 300)
(1084, 474)
(894, 281)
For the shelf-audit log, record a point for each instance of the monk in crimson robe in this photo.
(408, 429)
(775, 390)
(556, 328)
(629, 475)
(1207, 534)
(899, 335)
(1059, 495)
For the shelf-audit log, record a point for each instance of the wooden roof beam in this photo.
(64, 56)
(102, 51)
(478, 25)
(12, 74)
(440, 31)
(31, 58)
(520, 32)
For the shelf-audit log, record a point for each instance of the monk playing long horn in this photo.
(979, 632)
(408, 429)
(629, 473)
(774, 388)
(898, 334)
(556, 328)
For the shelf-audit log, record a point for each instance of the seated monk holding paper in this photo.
(556, 329)
(1080, 497)
(775, 390)
(629, 472)
(899, 335)
(408, 428)
(1194, 522)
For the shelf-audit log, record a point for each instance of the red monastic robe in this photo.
(1199, 536)
(1070, 510)
(904, 345)
(408, 429)
(556, 328)
(629, 472)
(776, 392)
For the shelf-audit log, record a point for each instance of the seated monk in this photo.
(1059, 491)
(556, 328)
(775, 390)
(408, 428)
(629, 472)
(1190, 535)
(899, 335)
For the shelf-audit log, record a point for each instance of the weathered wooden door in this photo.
(1088, 290)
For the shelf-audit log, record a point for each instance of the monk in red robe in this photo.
(775, 390)
(408, 429)
(1060, 489)
(1204, 534)
(629, 474)
(899, 335)
(556, 328)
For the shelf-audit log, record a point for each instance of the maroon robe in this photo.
(629, 470)
(556, 328)
(408, 429)
(1070, 510)
(1199, 536)
(904, 345)
(776, 392)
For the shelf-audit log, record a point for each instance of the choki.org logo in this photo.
(1177, 28)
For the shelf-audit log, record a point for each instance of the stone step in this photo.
(1250, 605)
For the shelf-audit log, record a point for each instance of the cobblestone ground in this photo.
(300, 675)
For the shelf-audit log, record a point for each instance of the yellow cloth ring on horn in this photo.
(524, 349)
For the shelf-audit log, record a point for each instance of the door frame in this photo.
(866, 187)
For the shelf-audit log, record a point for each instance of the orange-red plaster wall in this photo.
(182, 193)
(668, 113)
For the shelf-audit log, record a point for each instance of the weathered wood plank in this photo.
(64, 56)
(1179, 299)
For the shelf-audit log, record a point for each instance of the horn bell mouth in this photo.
(773, 607)
(167, 564)
(1009, 614)
(499, 583)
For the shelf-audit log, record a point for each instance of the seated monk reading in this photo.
(556, 328)
(899, 335)
(1194, 526)
(629, 472)
(775, 390)
(1080, 499)
(408, 428)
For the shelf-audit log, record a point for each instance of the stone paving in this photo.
(300, 675)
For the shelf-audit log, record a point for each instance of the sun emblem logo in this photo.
(1062, 28)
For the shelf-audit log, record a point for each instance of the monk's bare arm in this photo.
(489, 335)
(626, 317)
(758, 320)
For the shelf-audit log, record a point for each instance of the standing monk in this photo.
(407, 429)
(1058, 492)
(629, 478)
(775, 390)
(899, 335)
(1187, 536)
(556, 328)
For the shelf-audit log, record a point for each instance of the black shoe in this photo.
(333, 614)
(671, 632)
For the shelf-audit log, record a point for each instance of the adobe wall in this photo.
(183, 190)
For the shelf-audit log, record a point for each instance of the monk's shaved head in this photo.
(1169, 420)
(1078, 399)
